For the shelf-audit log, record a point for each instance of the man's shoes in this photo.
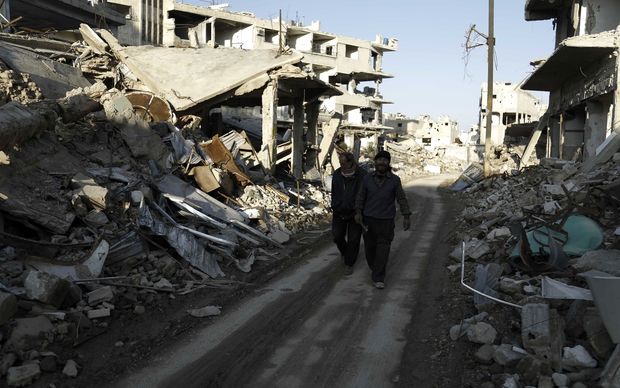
(380, 285)
(348, 270)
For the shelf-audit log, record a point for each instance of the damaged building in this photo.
(581, 76)
(353, 66)
(513, 109)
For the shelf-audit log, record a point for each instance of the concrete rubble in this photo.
(551, 328)
(108, 206)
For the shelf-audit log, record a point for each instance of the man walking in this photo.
(347, 233)
(375, 210)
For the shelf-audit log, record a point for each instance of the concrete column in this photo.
(270, 125)
(595, 127)
(379, 62)
(312, 119)
(573, 132)
(554, 137)
(298, 138)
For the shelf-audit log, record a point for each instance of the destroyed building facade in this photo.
(353, 66)
(425, 130)
(581, 78)
(511, 105)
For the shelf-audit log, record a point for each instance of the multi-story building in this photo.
(511, 105)
(354, 66)
(581, 76)
(425, 130)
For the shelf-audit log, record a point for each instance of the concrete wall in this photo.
(301, 42)
(601, 15)
(510, 105)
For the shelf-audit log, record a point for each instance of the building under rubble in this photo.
(581, 76)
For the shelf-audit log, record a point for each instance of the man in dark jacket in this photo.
(375, 209)
(347, 233)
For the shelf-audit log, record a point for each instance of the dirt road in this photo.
(312, 326)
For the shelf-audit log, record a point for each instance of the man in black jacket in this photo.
(375, 209)
(347, 233)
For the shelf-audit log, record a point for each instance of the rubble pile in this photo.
(106, 210)
(541, 255)
(411, 159)
(18, 87)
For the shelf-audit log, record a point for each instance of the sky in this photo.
(430, 73)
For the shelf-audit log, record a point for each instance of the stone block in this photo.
(8, 307)
(545, 382)
(70, 369)
(481, 333)
(505, 356)
(542, 332)
(8, 360)
(46, 288)
(531, 368)
(484, 354)
(560, 380)
(578, 357)
(101, 294)
(30, 332)
(98, 313)
(510, 286)
(18, 376)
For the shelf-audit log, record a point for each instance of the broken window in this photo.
(351, 52)
(509, 118)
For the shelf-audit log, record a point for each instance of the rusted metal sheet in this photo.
(220, 155)
(150, 107)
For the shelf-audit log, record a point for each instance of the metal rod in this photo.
(476, 291)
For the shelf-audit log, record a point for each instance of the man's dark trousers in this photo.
(377, 243)
(347, 235)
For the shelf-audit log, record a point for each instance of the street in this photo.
(313, 326)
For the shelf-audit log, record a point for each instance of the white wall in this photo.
(601, 15)
(301, 42)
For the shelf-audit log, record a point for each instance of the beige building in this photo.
(355, 66)
(511, 105)
(581, 76)
(425, 130)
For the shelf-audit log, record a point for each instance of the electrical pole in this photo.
(490, 46)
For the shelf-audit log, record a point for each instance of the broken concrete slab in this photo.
(505, 355)
(578, 357)
(19, 123)
(19, 376)
(29, 332)
(8, 307)
(54, 78)
(605, 289)
(610, 377)
(597, 335)
(481, 333)
(98, 313)
(101, 294)
(604, 260)
(46, 288)
(542, 332)
(90, 268)
(158, 68)
(70, 369)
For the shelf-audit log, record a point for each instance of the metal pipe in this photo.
(479, 292)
